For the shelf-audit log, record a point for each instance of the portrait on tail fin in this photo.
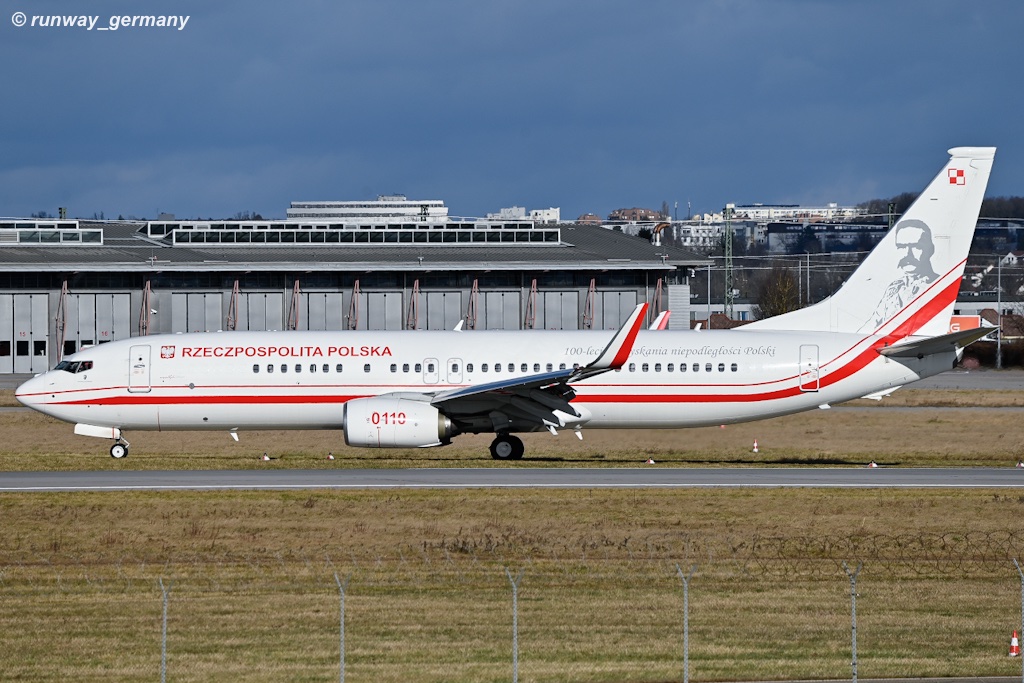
(915, 249)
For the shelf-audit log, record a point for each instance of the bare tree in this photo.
(778, 293)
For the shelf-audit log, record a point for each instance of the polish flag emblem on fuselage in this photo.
(167, 352)
(957, 177)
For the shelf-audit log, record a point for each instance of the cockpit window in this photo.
(74, 366)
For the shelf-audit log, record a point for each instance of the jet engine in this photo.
(394, 422)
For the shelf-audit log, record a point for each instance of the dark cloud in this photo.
(587, 106)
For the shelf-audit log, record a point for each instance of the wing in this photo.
(541, 400)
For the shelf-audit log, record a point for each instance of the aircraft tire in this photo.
(118, 451)
(507, 447)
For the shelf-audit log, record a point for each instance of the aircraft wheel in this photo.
(119, 450)
(507, 447)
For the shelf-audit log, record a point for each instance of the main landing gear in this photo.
(507, 447)
(119, 450)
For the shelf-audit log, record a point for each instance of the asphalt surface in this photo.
(648, 477)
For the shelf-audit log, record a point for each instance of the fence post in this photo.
(686, 620)
(853, 612)
(515, 622)
(1017, 565)
(342, 585)
(163, 633)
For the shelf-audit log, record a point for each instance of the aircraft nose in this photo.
(29, 391)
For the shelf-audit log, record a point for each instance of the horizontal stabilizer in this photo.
(932, 345)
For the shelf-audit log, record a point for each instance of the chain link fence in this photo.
(495, 610)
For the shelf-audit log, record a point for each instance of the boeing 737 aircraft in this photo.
(887, 326)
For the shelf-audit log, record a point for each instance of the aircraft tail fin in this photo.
(909, 282)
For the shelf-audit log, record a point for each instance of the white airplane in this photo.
(887, 326)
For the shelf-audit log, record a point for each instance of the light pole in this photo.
(999, 313)
(709, 296)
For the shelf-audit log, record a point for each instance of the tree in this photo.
(778, 293)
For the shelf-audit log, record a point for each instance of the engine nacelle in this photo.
(394, 422)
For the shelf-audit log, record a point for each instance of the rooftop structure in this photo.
(386, 207)
(774, 212)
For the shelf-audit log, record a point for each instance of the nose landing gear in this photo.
(119, 450)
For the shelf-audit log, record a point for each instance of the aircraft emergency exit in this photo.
(885, 327)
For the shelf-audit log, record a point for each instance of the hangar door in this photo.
(91, 319)
(196, 312)
(24, 333)
(500, 311)
(375, 311)
(613, 309)
(558, 311)
(260, 312)
(443, 310)
(320, 311)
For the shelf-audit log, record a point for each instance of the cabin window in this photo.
(550, 367)
(669, 367)
(523, 367)
(405, 367)
(682, 367)
(536, 367)
(483, 367)
(512, 367)
(707, 367)
(734, 367)
(256, 368)
(270, 368)
(430, 367)
(469, 367)
(337, 368)
(327, 368)
(455, 368)
(298, 368)
(696, 367)
(366, 367)
(418, 367)
(312, 367)
(561, 366)
(645, 367)
(632, 367)
(657, 367)
(394, 367)
(497, 367)
(284, 368)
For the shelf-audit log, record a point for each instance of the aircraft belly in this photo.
(249, 417)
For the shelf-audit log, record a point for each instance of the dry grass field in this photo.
(253, 595)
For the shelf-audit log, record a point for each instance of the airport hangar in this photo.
(68, 284)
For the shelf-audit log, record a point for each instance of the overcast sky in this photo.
(586, 105)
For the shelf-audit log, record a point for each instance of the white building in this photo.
(387, 207)
(518, 213)
(775, 212)
(551, 215)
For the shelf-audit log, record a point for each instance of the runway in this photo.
(648, 477)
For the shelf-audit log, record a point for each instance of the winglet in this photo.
(661, 322)
(618, 349)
